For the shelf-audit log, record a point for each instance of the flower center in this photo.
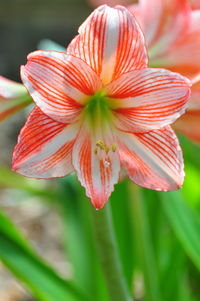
(97, 109)
(98, 115)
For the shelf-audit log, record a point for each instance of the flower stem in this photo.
(108, 253)
(144, 243)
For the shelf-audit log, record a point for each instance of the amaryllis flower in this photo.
(99, 108)
(172, 32)
(13, 97)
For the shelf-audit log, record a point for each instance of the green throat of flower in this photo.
(99, 118)
(97, 110)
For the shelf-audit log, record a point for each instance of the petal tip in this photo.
(98, 203)
(14, 166)
(22, 69)
(34, 53)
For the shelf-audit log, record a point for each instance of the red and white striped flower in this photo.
(99, 108)
(13, 98)
(172, 32)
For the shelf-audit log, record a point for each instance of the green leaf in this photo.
(172, 278)
(185, 223)
(192, 180)
(35, 187)
(22, 261)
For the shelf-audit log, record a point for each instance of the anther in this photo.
(101, 144)
(104, 147)
(107, 148)
(114, 148)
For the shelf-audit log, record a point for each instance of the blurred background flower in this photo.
(172, 31)
(13, 98)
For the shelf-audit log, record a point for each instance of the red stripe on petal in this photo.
(111, 42)
(153, 160)
(163, 22)
(182, 55)
(59, 83)
(44, 147)
(148, 99)
(8, 109)
(97, 176)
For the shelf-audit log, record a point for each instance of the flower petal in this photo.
(194, 102)
(13, 97)
(97, 174)
(184, 55)
(153, 160)
(111, 42)
(195, 4)
(162, 21)
(189, 125)
(44, 148)
(148, 99)
(59, 83)
(10, 89)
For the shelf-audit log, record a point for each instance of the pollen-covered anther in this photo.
(114, 148)
(107, 149)
(100, 144)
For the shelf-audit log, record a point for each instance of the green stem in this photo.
(108, 253)
(144, 244)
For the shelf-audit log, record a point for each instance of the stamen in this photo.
(104, 147)
(107, 148)
(101, 144)
(114, 148)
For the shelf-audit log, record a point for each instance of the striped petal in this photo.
(13, 98)
(162, 21)
(44, 148)
(10, 89)
(189, 125)
(111, 42)
(96, 172)
(184, 56)
(148, 99)
(153, 160)
(59, 83)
